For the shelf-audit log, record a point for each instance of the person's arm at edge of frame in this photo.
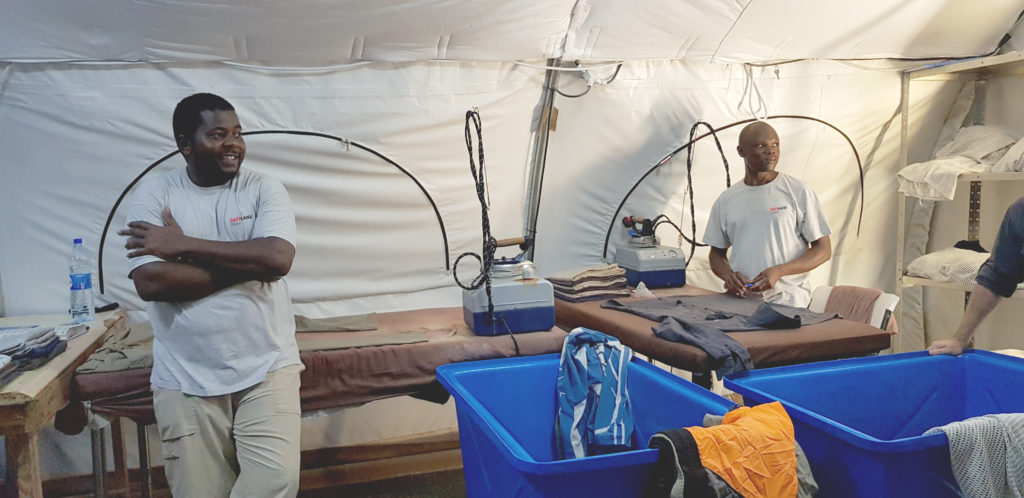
(983, 301)
(819, 252)
(735, 282)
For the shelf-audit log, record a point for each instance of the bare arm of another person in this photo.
(265, 259)
(735, 282)
(819, 252)
(982, 302)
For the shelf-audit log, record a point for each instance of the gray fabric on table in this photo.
(722, 312)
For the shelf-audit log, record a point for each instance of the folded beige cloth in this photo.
(349, 323)
(324, 342)
(578, 275)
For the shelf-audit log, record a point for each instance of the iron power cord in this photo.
(490, 244)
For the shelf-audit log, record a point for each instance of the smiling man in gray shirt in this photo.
(208, 246)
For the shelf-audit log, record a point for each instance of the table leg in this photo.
(703, 379)
(147, 478)
(120, 480)
(23, 475)
(99, 462)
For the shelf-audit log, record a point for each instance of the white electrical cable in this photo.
(293, 69)
(750, 91)
(577, 69)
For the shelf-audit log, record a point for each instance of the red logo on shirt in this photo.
(777, 210)
(239, 219)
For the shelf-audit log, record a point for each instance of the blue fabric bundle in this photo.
(595, 416)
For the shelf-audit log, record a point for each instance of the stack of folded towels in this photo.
(27, 348)
(604, 281)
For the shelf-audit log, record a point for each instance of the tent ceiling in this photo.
(317, 32)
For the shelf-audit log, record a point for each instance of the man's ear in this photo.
(739, 150)
(184, 145)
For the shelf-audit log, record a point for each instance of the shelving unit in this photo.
(981, 70)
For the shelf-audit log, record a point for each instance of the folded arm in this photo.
(265, 259)
(174, 282)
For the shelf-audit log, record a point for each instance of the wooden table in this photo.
(29, 401)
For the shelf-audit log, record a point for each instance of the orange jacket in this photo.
(752, 450)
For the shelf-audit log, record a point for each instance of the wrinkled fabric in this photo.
(726, 355)
(678, 473)
(721, 311)
(987, 454)
(808, 486)
(753, 450)
(132, 350)
(595, 416)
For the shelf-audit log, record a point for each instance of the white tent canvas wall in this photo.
(87, 89)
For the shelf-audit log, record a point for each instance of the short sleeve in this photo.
(813, 224)
(274, 216)
(144, 205)
(715, 234)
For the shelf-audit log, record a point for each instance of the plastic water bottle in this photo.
(80, 271)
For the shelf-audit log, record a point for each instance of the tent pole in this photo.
(540, 153)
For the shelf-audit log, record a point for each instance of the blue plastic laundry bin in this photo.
(861, 420)
(506, 410)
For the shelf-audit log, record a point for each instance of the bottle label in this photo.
(81, 281)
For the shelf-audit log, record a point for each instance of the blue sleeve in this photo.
(1004, 269)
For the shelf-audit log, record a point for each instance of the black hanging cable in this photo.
(689, 183)
(856, 155)
(117, 203)
(490, 244)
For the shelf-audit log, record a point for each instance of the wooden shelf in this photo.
(909, 281)
(990, 176)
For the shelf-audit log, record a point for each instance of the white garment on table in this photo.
(768, 225)
(227, 341)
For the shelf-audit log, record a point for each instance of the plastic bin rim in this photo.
(514, 452)
(845, 432)
(508, 444)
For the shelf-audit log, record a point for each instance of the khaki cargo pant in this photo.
(244, 444)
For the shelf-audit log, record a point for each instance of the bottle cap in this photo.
(78, 241)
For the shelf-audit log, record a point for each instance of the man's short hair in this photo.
(186, 114)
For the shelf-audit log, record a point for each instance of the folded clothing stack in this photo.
(27, 349)
(7, 369)
(604, 281)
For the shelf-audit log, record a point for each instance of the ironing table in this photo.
(337, 378)
(829, 340)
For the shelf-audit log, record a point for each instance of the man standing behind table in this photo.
(208, 245)
(772, 221)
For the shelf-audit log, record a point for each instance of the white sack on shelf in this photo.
(935, 180)
(950, 265)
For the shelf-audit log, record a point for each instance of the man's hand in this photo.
(767, 279)
(736, 284)
(164, 242)
(946, 346)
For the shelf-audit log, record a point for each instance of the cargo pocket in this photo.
(175, 420)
